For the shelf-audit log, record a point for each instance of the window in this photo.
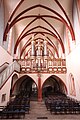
(3, 97)
(72, 85)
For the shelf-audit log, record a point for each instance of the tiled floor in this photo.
(38, 110)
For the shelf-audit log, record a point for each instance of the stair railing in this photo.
(15, 66)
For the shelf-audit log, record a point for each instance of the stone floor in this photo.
(38, 110)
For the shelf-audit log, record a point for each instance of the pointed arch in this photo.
(51, 33)
(44, 7)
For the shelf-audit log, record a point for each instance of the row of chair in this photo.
(5, 114)
(62, 105)
(16, 108)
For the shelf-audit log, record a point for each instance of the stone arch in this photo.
(14, 78)
(23, 83)
(13, 81)
(56, 83)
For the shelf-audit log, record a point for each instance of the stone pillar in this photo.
(39, 89)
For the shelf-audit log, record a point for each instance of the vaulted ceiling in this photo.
(39, 18)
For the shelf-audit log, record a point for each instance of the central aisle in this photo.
(38, 109)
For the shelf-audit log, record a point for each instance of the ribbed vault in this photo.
(39, 18)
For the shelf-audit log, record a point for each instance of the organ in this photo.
(39, 52)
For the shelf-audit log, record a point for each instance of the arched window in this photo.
(72, 85)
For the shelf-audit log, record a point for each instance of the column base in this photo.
(39, 99)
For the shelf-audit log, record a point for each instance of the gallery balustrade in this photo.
(41, 65)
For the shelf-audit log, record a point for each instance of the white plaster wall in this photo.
(73, 59)
(76, 23)
(5, 90)
(1, 21)
(5, 56)
(73, 66)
